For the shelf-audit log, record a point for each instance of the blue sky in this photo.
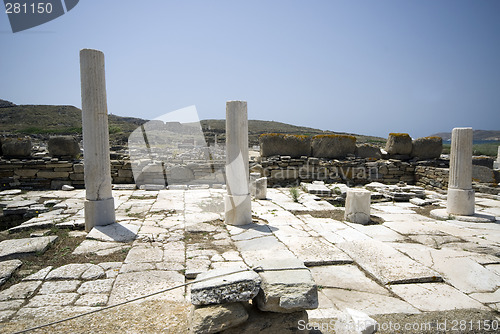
(366, 67)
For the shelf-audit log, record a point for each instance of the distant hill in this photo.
(45, 120)
(477, 135)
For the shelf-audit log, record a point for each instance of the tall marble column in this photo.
(496, 164)
(237, 201)
(460, 192)
(99, 203)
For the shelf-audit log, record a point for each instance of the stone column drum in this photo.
(357, 206)
(237, 201)
(460, 193)
(99, 203)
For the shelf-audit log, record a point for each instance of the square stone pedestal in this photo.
(238, 209)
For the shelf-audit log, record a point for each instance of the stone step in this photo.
(386, 264)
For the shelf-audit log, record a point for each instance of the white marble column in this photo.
(496, 164)
(99, 203)
(357, 206)
(460, 193)
(237, 201)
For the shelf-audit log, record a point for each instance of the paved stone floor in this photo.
(410, 263)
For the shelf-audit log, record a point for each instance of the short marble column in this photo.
(357, 206)
(99, 203)
(253, 179)
(261, 188)
(460, 193)
(237, 201)
(496, 164)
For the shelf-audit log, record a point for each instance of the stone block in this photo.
(287, 286)
(281, 144)
(26, 172)
(52, 175)
(16, 147)
(398, 144)
(63, 146)
(427, 148)
(271, 323)
(17, 248)
(368, 151)
(229, 287)
(482, 174)
(78, 168)
(333, 146)
(357, 206)
(261, 188)
(215, 318)
(179, 174)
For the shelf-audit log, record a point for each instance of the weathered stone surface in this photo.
(435, 297)
(387, 264)
(282, 144)
(39, 275)
(144, 254)
(92, 300)
(20, 290)
(17, 248)
(398, 143)
(179, 174)
(76, 271)
(16, 147)
(215, 318)
(114, 232)
(7, 268)
(96, 287)
(270, 323)
(333, 146)
(315, 251)
(11, 305)
(53, 287)
(317, 188)
(63, 146)
(58, 299)
(228, 288)
(132, 285)
(482, 174)
(100, 248)
(368, 151)
(287, 286)
(355, 322)
(427, 148)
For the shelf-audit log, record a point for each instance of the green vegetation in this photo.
(490, 149)
(294, 192)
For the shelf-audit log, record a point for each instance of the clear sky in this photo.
(366, 67)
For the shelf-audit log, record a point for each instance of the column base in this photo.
(238, 209)
(460, 202)
(496, 164)
(101, 212)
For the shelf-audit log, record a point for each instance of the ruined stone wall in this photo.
(431, 177)
(54, 173)
(283, 170)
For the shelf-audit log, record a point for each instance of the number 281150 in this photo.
(24, 8)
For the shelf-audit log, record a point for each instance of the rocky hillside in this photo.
(478, 135)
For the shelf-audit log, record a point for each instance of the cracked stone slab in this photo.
(20, 290)
(387, 264)
(11, 304)
(196, 266)
(315, 252)
(92, 300)
(118, 232)
(17, 248)
(144, 254)
(39, 275)
(225, 286)
(435, 297)
(347, 277)
(7, 268)
(100, 248)
(76, 271)
(53, 287)
(96, 287)
(132, 285)
(370, 303)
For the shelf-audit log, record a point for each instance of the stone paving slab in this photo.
(114, 232)
(369, 303)
(7, 268)
(132, 285)
(18, 248)
(347, 277)
(315, 251)
(435, 297)
(20, 290)
(387, 264)
(101, 248)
